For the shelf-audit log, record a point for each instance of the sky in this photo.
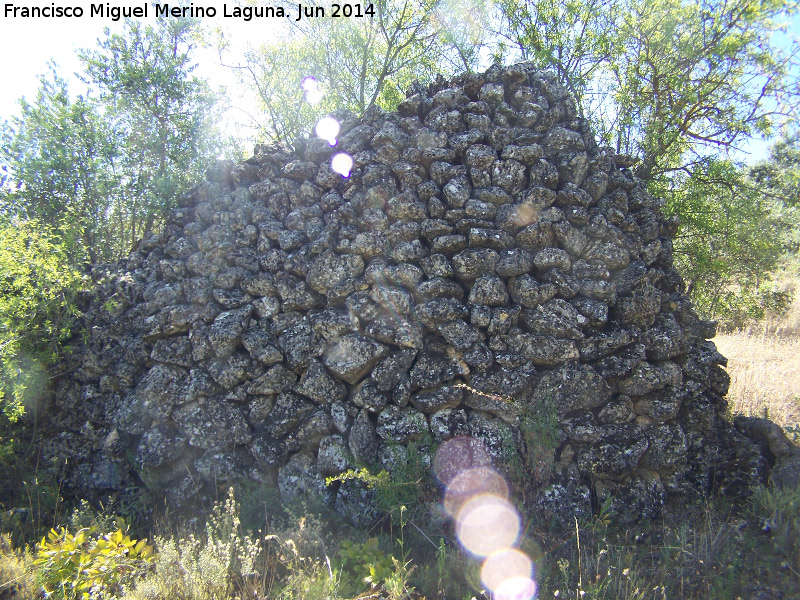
(27, 44)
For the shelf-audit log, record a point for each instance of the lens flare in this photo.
(342, 163)
(526, 214)
(328, 129)
(468, 484)
(487, 524)
(516, 588)
(504, 567)
(312, 90)
(459, 454)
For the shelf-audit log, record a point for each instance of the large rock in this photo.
(486, 270)
(353, 357)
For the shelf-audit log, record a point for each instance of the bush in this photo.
(85, 564)
(209, 567)
(37, 310)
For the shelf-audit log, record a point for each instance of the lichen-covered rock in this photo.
(300, 479)
(400, 425)
(353, 357)
(332, 457)
(486, 270)
(362, 442)
(357, 503)
(318, 385)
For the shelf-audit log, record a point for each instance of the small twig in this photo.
(423, 534)
(484, 394)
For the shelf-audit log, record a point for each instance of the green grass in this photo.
(707, 551)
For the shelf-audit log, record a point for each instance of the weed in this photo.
(706, 551)
(397, 582)
(540, 432)
(361, 564)
(17, 575)
(539, 426)
(778, 511)
(77, 566)
(410, 486)
(209, 567)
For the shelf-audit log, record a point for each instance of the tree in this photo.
(105, 168)
(778, 180)
(577, 40)
(357, 62)
(699, 78)
(82, 179)
(272, 73)
(465, 40)
(164, 115)
(666, 80)
(677, 84)
(37, 288)
(728, 243)
(61, 155)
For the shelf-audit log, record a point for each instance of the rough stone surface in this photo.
(486, 270)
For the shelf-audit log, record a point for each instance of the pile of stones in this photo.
(485, 270)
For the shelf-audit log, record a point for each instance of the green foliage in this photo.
(59, 152)
(272, 73)
(697, 77)
(396, 583)
(208, 567)
(162, 113)
(780, 175)
(372, 481)
(778, 180)
(463, 36)
(779, 514)
(105, 169)
(311, 582)
(675, 83)
(85, 564)
(37, 310)
(577, 40)
(255, 501)
(357, 62)
(696, 551)
(365, 565)
(409, 485)
(361, 565)
(17, 575)
(540, 430)
(665, 80)
(726, 246)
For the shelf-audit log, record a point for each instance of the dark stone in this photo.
(484, 261)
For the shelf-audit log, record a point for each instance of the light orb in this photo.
(342, 163)
(487, 524)
(327, 128)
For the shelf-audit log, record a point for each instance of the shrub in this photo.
(80, 565)
(360, 565)
(206, 567)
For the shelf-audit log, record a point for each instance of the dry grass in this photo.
(17, 576)
(765, 375)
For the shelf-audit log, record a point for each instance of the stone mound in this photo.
(486, 270)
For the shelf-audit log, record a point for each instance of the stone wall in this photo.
(485, 270)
